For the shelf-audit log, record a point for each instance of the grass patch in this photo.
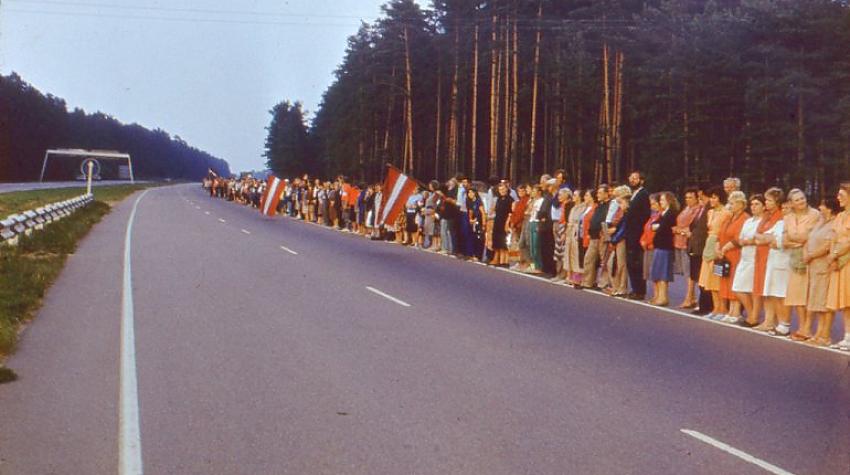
(17, 201)
(28, 270)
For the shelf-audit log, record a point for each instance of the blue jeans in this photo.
(534, 246)
(447, 235)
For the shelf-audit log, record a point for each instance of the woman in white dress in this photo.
(777, 270)
(742, 284)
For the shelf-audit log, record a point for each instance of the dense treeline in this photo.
(31, 122)
(686, 90)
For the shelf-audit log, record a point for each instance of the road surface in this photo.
(269, 346)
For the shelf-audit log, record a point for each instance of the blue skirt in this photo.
(662, 266)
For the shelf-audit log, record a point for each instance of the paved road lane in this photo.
(546, 350)
(264, 352)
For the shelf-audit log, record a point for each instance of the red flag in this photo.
(397, 189)
(271, 197)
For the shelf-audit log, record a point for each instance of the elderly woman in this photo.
(620, 279)
(661, 273)
(572, 246)
(563, 200)
(584, 232)
(742, 282)
(816, 259)
(799, 223)
(730, 249)
(776, 268)
(838, 297)
(708, 280)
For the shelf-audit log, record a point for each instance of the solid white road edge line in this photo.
(246, 231)
(737, 453)
(220, 220)
(289, 250)
(129, 433)
(387, 296)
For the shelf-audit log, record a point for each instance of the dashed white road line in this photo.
(244, 231)
(289, 250)
(221, 220)
(197, 207)
(737, 453)
(387, 296)
(207, 213)
(129, 434)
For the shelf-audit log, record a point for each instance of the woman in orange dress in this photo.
(838, 298)
(798, 225)
(717, 216)
(728, 247)
(817, 260)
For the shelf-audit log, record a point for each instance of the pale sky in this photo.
(206, 70)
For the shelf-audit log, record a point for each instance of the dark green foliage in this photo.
(287, 144)
(737, 72)
(31, 123)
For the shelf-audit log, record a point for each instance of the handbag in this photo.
(797, 264)
(722, 267)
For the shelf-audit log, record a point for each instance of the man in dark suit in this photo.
(545, 226)
(636, 217)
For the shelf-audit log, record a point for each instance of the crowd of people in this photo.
(750, 260)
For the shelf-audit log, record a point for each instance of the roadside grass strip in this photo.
(18, 201)
(28, 269)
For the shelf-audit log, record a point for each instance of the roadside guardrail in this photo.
(31, 220)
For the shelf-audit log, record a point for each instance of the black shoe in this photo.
(634, 296)
(699, 312)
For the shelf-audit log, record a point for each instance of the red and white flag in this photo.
(271, 197)
(397, 189)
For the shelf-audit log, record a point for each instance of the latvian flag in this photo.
(271, 197)
(397, 189)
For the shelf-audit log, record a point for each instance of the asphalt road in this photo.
(261, 349)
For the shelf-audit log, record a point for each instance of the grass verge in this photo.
(28, 270)
(17, 201)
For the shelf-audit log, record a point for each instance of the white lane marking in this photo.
(207, 213)
(289, 250)
(738, 453)
(387, 296)
(246, 232)
(197, 207)
(220, 220)
(129, 434)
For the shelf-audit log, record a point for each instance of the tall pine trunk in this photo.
(514, 104)
(506, 132)
(439, 119)
(474, 136)
(493, 95)
(453, 128)
(408, 143)
(534, 92)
